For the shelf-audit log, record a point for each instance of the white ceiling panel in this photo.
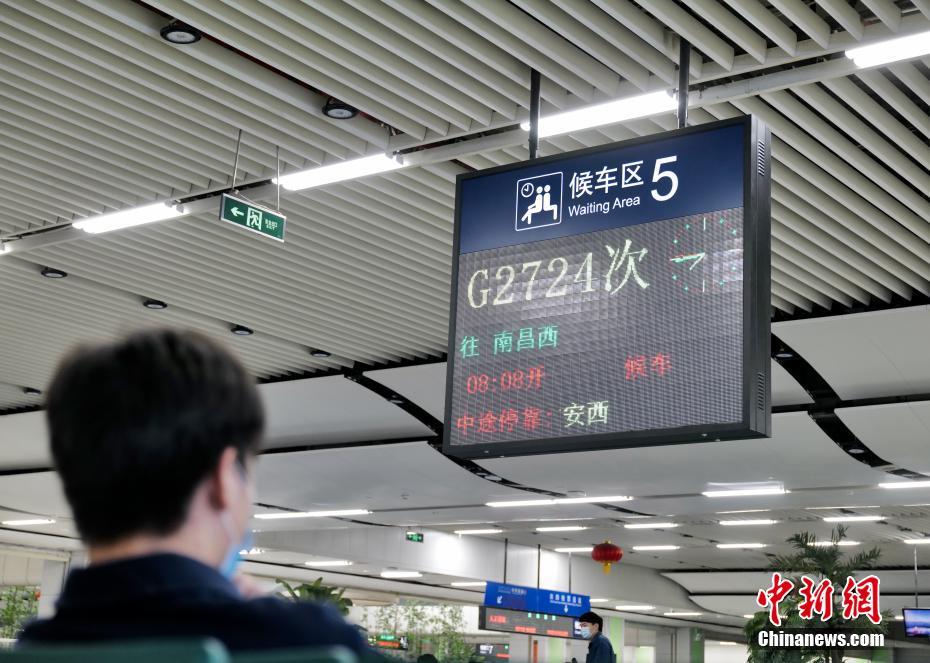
(658, 470)
(899, 433)
(332, 410)
(424, 385)
(39, 493)
(867, 355)
(24, 441)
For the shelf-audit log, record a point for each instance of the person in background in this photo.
(154, 438)
(599, 648)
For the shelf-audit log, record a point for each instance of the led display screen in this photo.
(610, 297)
(531, 623)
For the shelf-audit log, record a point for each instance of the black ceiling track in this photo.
(823, 411)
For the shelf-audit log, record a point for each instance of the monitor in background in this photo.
(917, 622)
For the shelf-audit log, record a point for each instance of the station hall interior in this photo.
(351, 123)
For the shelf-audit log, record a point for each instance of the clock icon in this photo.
(706, 255)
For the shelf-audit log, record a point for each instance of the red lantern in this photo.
(607, 553)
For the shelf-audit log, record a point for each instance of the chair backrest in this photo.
(314, 655)
(152, 651)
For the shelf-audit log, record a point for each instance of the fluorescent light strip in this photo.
(917, 542)
(853, 519)
(682, 614)
(470, 583)
(844, 544)
(395, 575)
(606, 113)
(729, 513)
(128, 218)
(346, 170)
(478, 531)
(654, 548)
(561, 500)
(600, 600)
(905, 484)
(567, 528)
(892, 50)
(28, 521)
(728, 546)
(252, 551)
(312, 514)
(329, 562)
(575, 550)
(839, 508)
(634, 608)
(650, 526)
(740, 523)
(745, 492)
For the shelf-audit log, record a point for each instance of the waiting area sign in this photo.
(611, 297)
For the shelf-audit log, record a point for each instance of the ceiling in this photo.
(98, 113)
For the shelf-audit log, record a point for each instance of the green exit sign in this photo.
(248, 215)
(416, 537)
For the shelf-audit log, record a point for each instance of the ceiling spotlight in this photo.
(180, 33)
(856, 450)
(396, 400)
(239, 330)
(154, 304)
(52, 273)
(784, 354)
(31, 391)
(320, 354)
(338, 110)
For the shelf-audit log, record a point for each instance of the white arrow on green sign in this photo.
(248, 215)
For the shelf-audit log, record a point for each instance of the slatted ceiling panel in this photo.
(39, 337)
(12, 396)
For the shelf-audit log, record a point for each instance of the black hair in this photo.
(138, 424)
(592, 618)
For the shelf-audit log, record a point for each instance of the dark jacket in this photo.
(166, 595)
(600, 650)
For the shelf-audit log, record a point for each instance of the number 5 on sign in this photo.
(659, 174)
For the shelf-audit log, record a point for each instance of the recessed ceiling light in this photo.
(478, 531)
(650, 525)
(564, 528)
(180, 33)
(401, 574)
(52, 273)
(338, 110)
(240, 330)
(856, 450)
(748, 616)
(312, 514)
(154, 304)
(726, 546)
(32, 391)
(329, 562)
(654, 548)
(904, 484)
(828, 544)
(853, 519)
(583, 549)
(470, 583)
(745, 492)
(635, 608)
(28, 521)
(395, 399)
(784, 354)
(740, 523)
(320, 354)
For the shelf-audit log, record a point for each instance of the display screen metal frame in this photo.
(756, 312)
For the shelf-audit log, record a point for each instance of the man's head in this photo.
(151, 432)
(591, 624)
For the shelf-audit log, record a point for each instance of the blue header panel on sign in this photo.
(598, 190)
(530, 599)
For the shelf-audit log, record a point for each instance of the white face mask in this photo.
(586, 632)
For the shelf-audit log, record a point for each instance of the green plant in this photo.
(816, 562)
(319, 593)
(19, 605)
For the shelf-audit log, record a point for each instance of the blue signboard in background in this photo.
(531, 599)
